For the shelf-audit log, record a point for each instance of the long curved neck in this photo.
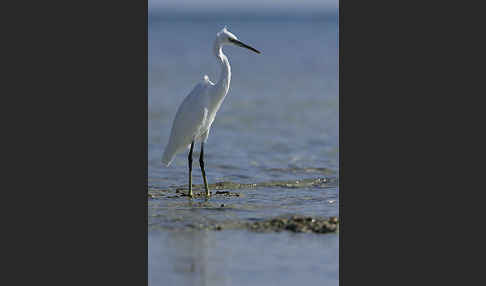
(225, 76)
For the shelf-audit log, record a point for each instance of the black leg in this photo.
(201, 162)
(189, 158)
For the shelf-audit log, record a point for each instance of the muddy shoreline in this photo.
(228, 191)
(218, 188)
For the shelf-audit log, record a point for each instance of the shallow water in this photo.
(236, 258)
(279, 122)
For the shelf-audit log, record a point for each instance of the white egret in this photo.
(198, 110)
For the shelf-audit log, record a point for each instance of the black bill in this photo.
(238, 43)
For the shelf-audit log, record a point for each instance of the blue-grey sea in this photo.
(279, 121)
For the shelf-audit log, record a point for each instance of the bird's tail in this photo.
(167, 157)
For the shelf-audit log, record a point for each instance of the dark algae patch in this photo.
(296, 224)
(183, 193)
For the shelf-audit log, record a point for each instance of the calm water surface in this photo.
(278, 122)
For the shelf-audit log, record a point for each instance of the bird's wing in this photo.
(188, 122)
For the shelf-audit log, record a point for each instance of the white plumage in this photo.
(197, 112)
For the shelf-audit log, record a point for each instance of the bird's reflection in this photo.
(195, 263)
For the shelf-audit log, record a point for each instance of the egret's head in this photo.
(225, 37)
